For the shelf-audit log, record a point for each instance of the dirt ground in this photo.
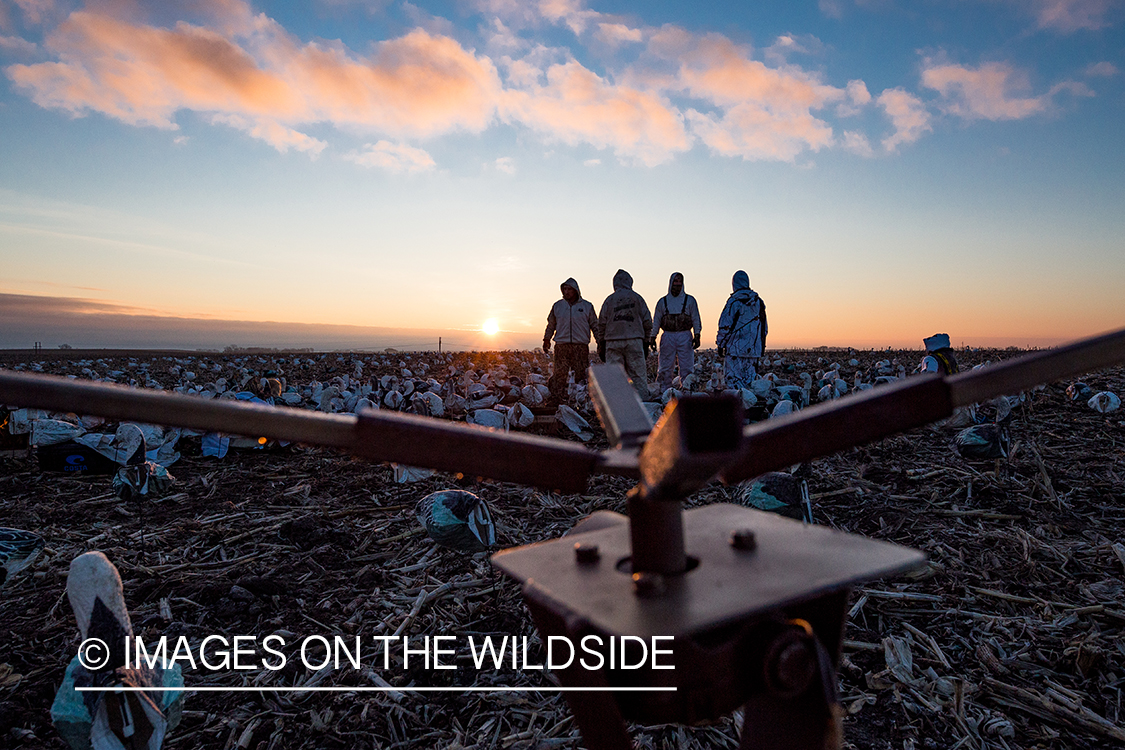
(1011, 637)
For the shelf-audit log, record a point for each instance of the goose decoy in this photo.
(457, 519)
(132, 720)
(18, 549)
(777, 492)
(1079, 392)
(1104, 402)
(982, 441)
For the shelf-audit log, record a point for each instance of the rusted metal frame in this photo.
(383, 436)
(833, 426)
(816, 431)
(474, 451)
(618, 406)
(176, 410)
(1030, 370)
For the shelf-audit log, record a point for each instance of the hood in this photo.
(740, 281)
(673, 278)
(937, 341)
(572, 283)
(622, 280)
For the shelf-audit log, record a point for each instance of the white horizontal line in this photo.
(364, 689)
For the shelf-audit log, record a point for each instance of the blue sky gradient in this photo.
(882, 169)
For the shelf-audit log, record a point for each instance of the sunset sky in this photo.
(882, 169)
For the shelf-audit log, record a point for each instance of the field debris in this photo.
(1009, 638)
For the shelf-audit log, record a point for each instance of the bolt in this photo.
(744, 539)
(790, 667)
(648, 585)
(586, 554)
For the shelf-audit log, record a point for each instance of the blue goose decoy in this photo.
(18, 549)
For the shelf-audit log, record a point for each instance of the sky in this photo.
(366, 173)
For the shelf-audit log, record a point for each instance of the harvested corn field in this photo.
(1010, 637)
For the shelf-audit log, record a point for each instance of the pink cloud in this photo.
(418, 84)
(858, 98)
(986, 92)
(273, 133)
(578, 106)
(573, 13)
(17, 45)
(753, 132)
(1071, 15)
(765, 113)
(393, 157)
(35, 11)
(615, 34)
(908, 115)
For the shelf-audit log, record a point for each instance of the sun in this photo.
(491, 327)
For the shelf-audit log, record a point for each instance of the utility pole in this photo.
(439, 344)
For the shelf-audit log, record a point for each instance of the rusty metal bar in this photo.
(829, 427)
(382, 436)
(1015, 375)
(546, 463)
(619, 407)
(176, 410)
(861, 418)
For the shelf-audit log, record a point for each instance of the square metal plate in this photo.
(793, 562)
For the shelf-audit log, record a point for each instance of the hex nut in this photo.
(744, 539)
(648, 585)
(586, 554)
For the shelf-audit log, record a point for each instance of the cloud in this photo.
(615, 34)
(17, 45)
(418, 85)
(36, 11)
(505, 164)
(393, 157)
(987, 92)
(857, 143)
(908, 115)
(591, 162)
(1106, 69)
(789, 44)
(831, 8)
(29, 304)
(517, 14)
(858, 98)
(572, 13)
(578, 106)
(372, 7)
(752, 132)
(500, 38)
(1071, 15)
(277, 135)
(765, 113)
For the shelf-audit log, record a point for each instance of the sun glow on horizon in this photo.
(491, 327)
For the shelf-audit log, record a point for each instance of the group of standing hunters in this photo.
(624, 331)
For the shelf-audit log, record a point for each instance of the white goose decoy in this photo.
(1104, 402)
(783, 407)
(393, 400)
(110, 720)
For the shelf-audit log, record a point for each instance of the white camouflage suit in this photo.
(676, 312)
(742, 332)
